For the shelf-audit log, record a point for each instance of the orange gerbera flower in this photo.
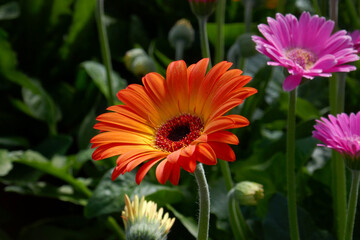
(174, 122)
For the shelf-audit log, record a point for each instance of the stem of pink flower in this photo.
(205, 49)
(204, 203)
(105, 49)
(353, 197)
(336, 98)
(290, 156)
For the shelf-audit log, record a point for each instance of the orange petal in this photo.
(175, 175)
(220, 136)
(223, 151)
(114, 149)
(205, 154)
(177, 84)
(226, 122)
(163, 171)
(174, 156)
(144, 169)
(121, 137)
(188, 163)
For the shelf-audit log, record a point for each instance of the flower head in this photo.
(355, 36)
(305, 47)
(142, 220)
(202, 8)
(341, 133)
(174, 122)
(248, 193)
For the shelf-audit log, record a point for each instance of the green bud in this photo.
(182, 31)
(131, 55)
(248, 193)
(142, 65)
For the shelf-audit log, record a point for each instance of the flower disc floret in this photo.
(178, 132)
(306, 47)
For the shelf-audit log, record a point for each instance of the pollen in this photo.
(303, 57)
(178, 132)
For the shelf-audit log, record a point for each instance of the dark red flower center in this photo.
(178, 132)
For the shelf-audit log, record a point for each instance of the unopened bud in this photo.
(182, 31)
(143, 221)
(248, 193)
(142, 65)
(131, 55)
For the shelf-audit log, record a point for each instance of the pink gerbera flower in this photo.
(305, 47)
(341, 133)
(355, 36)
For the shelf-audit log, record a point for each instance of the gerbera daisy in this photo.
(355, 36)
(305, 47)
(341, 133)
(174, 122)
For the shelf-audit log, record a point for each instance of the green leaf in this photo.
(97, 72)
(14, 142)
(9, 11)
(36, 160)
(5, 163)
(8, 60)
(276, 225)
(83, 14)
(108, 196)
(188, 222)
(86, 130)
(41, 105)
(54, 145)
(43, 189)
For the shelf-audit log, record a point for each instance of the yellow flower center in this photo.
(178, 132)
(303, 57)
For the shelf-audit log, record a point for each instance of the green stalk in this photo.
(248, 14)
(235, 220)
(179, 49)
(353, 197)
(205, 49)
(204, 203)
(105, 49)
(220, 21)
(337, 93)
(290, 168)
(336, 99)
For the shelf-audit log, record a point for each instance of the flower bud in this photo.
(182, 31)
(142, 220)
(248, 193)
(131, 55)
(142, 65)
(202, 8)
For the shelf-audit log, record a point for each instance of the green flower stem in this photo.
(179, 49)
(316, 7)
(105, 49)
(290, 168)
(225, 169)
(204, 202)
(220, 21)
(351, 212)
(337, 92)
(205, 49)
(235, 220)
(248, 14)
(113, 225)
